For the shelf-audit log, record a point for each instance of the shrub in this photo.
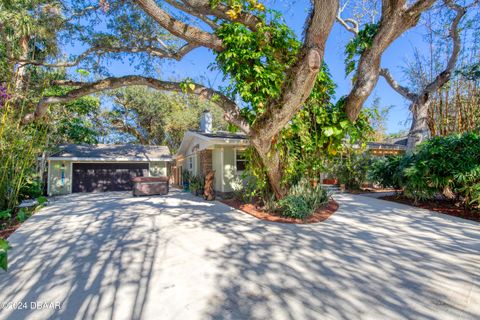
(352, 170)
(42, 200)
(445, 165)
(22, 215)
(32, 188)
(196, 184)
(5, 214)
(388, 171)
(186, 176)
(449, 165)
(4, 247)
(303, 200)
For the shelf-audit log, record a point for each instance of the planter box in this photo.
(146, 186)
(330, 181)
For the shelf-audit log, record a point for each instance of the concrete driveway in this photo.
(112, 256)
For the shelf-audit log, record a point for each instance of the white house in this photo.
(204, 150)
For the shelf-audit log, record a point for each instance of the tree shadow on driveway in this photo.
(111, 256)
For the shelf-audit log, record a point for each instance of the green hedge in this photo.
(449, 165)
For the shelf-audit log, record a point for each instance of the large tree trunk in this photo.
(270, 158)
(419, 130)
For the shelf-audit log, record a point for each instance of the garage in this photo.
(100, 177)
(78, 168)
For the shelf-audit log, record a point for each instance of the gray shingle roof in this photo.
(113, 151)
(223, 135)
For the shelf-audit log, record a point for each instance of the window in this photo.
(190, 163)
(240, 161)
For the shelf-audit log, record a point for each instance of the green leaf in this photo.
(4, 247)
(344, 124)
(328, 131)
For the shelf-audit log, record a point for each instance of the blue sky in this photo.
(195, 65)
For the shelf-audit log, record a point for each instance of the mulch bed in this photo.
(442, 206)
(322, 214)
(7, 231)
(372, 190)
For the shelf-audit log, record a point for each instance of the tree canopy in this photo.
(269, 71)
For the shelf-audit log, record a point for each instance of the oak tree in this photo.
(270, 72)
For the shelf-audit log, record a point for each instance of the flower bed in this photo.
(320, 215)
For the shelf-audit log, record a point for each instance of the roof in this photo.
(201, 140)
(222, 135)
(385, 145)
(115, 152)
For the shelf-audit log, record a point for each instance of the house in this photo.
(396, 146)
(103, 167)
(205, 150)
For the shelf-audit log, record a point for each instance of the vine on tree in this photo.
(356, 46)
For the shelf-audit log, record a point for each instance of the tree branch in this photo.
(180, 29)
(404, 91)
(158, 52)
(396, 19)
(418, 7)
(187, 9)
(301, 78)
(232, 112)
(350, 25)
(220, 11)
(124, 127)
(444, 76)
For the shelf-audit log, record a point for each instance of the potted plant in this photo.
(194, 185)
(186, 176)
(201, 185)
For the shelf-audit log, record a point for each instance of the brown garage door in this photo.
(99, 177)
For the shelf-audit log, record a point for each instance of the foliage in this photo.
(386, 171)
(303, 200)
(358, 45)
(196, 184)
(19, 147)
(77, 121)
(22, 215)
(4, 247)
(42, 200)
(5, 214)
(4, 96)
(449, 165)
(147, 116)
(319, 132)
(186, 177)
(268, 53)
(32, 186)
(352, 168)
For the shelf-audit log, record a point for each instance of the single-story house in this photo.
(395, 146)
(103, 167)
(204, 150)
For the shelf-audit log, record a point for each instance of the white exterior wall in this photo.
(217, 165)
(59, 183)
(158, 169)
(229, 169)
